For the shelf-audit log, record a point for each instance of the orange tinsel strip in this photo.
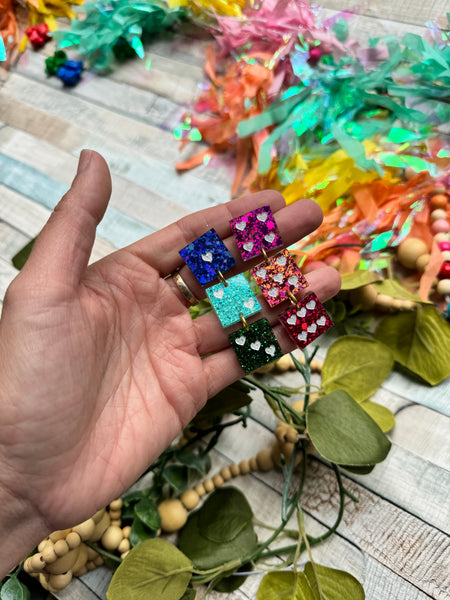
(8, 29)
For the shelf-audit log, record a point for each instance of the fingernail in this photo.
(84, 160)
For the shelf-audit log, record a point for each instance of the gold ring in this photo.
(181, 285)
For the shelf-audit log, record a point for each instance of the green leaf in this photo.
(14, 589)
(357, 279)
(228, 400)
(140, 532)
(356, 364)
(189, 594)
(286, 585)
(218, 527)
(393, 288)
(220, 531)
(21, 257)
(155, 569)
(226, 585)
(382, 416)
(176, 476)
(359, 470)
(195, 461)
(332, 583)
(146, 510)
(343, 433)
(420, 341)
(315, 583)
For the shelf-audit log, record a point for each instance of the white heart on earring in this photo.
(293, 280)
(270, 350)
(207, 257)
(218, 294)
(249, 303)
(311, 305)
(281, 261)
(292, 320)
(312, 328)
(262, 217)
(302, 337)
(273, 293)
(248, 246)
(269, 237)
(302, 312)
(240, 341)
(255, 345)
(278, 277)
(321, 321)
(241, 225)
(261, 273)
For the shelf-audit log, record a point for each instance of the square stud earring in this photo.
(233, 299)
(255, 345)
(207, 257)
(306, 321)
(279, 278)
(256, 232)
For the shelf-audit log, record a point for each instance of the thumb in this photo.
(62, 249)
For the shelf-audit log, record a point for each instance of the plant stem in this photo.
(104, 552)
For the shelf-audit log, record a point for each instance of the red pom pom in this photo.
(38, 35)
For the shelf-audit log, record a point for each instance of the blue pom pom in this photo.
(70, 72)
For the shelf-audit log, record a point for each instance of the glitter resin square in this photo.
(232, 300)
(206, 255)
(277, 277)
(256, 346)
(256, 231)
(306, 321)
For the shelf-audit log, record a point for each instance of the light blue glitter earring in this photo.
(232, 300)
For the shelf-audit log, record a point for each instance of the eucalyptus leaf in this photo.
(284, 584)
(356, 364)
(343, 433)
(224, 516)
(358, 470)
(420, 341)
(140, 532)
(19, 259)
(229, 583)
(393, 288)
(382, 416)
(14, 589)
(155, 569)
(228, 400)
(212, 520)
(195, 461)
(189, 594)
(176, 476)
(148, 513)
(332, 584)
(357, 279)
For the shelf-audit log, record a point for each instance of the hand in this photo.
(100, 366)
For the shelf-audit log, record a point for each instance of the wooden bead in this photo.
(116, 522)
(316, 365)
(218, 481)
(438, 201)
(284, 363)
(440, 226)
(396, 304)
(226, 473)
(422, 262)
(73, 540)
(81, 571)
(291, 435)
(443, 287)
(98, 515)
(61, 548)
(49, 554)
(264, 460)
(244, 467)
(85, 529)
(112, 538)
(100, 527)
(115, 514)
(124, 546)
(59, 582)
(64, 563)
(43, 580)
(437, 214)
(90, 565)
(173, 515)
(79, 568)
(364, 297)
(91, 553)
(409, 251)
(253, 464)
(209, 485)
(36, 562)
(126, 531)
(116, 504)
(200, 489)
(99, 561)
(235, 470)
(42, 544)
(446, 255)
(441, 237)
(124, 554)
(384, 301)
(59, 535)
(190, 499)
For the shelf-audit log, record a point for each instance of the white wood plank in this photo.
(7, 274)
(11, 241)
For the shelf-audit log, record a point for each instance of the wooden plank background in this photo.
(395, 540)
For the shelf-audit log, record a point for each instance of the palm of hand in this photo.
(122, 364)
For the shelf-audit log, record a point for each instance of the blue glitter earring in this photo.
(207, 257)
